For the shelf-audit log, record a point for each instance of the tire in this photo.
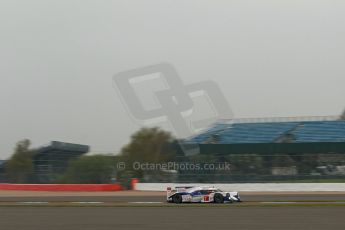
(218, 198)
(177, 199)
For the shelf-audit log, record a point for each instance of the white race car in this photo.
(200, 195)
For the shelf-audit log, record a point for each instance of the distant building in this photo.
(2, 171)
(52, 160)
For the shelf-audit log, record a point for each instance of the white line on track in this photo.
(143, 202)
(87, 202)
(33, 202)
(278, 202)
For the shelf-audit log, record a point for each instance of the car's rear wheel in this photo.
(218, 198)
(177, 199)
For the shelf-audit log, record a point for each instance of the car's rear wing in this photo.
(172, 190)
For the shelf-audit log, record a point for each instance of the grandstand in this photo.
(273, 149)
(275, 135)
(52, 160)
(2, 170)
(271, 132)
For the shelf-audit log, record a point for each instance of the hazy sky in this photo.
(270, 58)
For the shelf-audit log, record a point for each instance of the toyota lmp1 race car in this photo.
(200, 195)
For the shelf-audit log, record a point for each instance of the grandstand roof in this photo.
(61, 148)
(53, 159)
(273, 131)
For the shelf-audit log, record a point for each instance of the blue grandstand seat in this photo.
(321, 131)
(304, 131)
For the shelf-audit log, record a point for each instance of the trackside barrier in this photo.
(134, 183)
(62, 187)
(253, 187)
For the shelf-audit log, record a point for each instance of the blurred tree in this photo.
(342, 116)
(246, 163)
(308, 163)
(19, 168)
(148, 145)
(94, 169)
(282, 161)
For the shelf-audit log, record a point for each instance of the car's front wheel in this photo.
(218, 198)
(177, 199)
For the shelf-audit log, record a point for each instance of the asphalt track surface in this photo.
(160, 197)
(148, 210)
(96, 218)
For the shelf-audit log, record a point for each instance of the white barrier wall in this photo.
(254, 187)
